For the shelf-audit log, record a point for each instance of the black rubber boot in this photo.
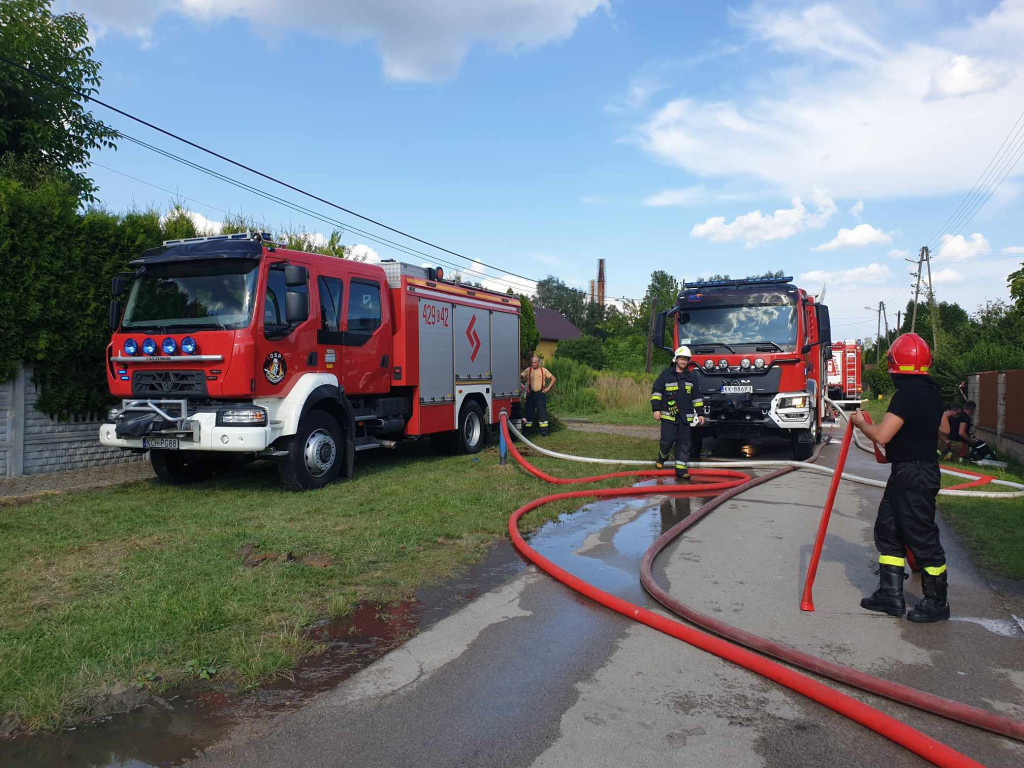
(888, 598)
(934, 606)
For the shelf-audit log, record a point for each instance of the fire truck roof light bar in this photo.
(744, 281)
(257, 236)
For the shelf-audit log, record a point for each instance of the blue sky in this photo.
(829, 140)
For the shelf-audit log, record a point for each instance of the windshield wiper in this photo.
(702, 348)
(777, 346)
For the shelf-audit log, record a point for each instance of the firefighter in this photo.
(906, 516)
(674, 400)
(538, 381)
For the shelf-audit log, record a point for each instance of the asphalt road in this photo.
(532, 674)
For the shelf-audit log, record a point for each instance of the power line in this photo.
(250, 169)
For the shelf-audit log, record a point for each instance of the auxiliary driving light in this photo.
(723, 364)
(709, 364)
(149, 347)
(759, 363)
(169, 346)
(131, 347)
(188, 345)
(745, 363)
(251, 416)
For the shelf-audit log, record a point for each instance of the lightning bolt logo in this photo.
(474, 339)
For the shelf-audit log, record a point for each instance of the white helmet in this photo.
(683, 351)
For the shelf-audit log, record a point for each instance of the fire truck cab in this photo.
(233, 346)
(759, 350)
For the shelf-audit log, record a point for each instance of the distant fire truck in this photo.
(759, 351)
(230, 346)
(844, 372)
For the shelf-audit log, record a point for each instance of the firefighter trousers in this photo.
(906, 516)
(676, 432)
(537, 410)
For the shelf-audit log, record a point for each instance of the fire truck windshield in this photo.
(770, 325)
(206, 295)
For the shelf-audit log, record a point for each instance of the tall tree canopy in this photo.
(554, 294)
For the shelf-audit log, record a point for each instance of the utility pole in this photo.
(899, 321)
(926, 255)
(917, 290)
(650, 338)
(878, 332)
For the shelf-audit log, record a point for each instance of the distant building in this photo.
(553, 327)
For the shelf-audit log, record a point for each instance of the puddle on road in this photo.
(182, 727)
(617, 532)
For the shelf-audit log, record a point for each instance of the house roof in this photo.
(554, 326)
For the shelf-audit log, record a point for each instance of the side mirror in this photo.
(117, 285)
(658, 334)
(294, 276)
(114, 317)
(296, 306)
(824, 324)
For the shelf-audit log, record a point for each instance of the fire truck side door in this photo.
(331, 335)
(367, 367)
(281, 347)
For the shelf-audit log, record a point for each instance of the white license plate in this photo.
(736, 389)
(160, 442)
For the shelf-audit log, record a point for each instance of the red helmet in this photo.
(909, 354)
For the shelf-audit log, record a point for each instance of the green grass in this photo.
(145, 582)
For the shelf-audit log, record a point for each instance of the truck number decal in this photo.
(435, 315)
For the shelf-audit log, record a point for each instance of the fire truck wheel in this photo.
(181, 467)
(315, 453)
(472, 433)
(803, 445)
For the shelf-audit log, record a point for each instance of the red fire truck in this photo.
(844, 382)
(231, 346)
(759, 349)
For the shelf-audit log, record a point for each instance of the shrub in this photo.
(574, 391)
(586, 349)
(878, 380)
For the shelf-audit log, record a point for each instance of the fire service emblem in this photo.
(274, 368)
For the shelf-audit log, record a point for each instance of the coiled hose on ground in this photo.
(913, 740)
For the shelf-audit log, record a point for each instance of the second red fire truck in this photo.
(759, 354)
(233, 346)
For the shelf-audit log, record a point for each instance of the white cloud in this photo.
(755, 227)
(848, 113)
(872, 274)
(959, 247)
(418, 40)
(858, 237)
(946, 276)
(360, 252)
(964, 76)
(899, 253)
(1014, 249)
(857, 209)
(204, 227)
(677, 197)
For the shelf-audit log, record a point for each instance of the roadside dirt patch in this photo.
(30, 488)
(644, 433)
(253, 558)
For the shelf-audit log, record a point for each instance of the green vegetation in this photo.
(125, 585)
(611, 397)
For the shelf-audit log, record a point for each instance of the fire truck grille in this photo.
(162, 383)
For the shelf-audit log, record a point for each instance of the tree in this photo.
(586, 349)
(665, 291)
(552, 293)
(529, 336)
(42, 119)
(1016, 282)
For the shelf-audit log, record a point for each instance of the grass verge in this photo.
(153, 586)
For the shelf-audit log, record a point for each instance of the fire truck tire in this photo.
(316, 453)
(181, 467)
(803, 444)
(472, 433)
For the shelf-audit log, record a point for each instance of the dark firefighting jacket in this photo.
(674, 394)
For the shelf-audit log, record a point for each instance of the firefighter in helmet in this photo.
(906, 516)
(675, 400)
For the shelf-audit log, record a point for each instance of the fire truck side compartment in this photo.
(505, 366)
(436, 319)
(472, 328)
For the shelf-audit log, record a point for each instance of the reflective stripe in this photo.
(907, 368)
(689, 387)
(656, 396)
(935, 570)
(543, 424)
(698, 403)
(666, 417)
(890, 560)
(671, 387)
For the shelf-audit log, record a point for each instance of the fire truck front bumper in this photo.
(140, 425)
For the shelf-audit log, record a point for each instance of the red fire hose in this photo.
(922, 745)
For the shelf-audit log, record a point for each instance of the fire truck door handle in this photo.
(311, 361)
(384, 362)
